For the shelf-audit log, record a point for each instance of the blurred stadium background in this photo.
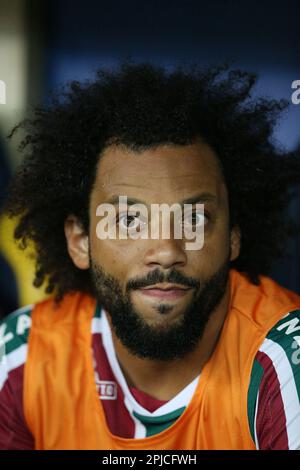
(45, 43)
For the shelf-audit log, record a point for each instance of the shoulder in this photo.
(265, 302)
(274, 391)
(14, 332)
(14, 329)
(16, 320)
(281, 346)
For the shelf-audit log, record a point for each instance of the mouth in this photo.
(165, 291)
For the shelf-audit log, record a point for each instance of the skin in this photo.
(167, 174)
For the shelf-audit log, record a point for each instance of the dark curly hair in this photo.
(142, 106)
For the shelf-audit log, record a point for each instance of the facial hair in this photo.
(148, 341)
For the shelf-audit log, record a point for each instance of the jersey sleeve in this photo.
(14, 433)
(274, 392)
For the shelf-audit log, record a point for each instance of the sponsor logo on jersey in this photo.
(107, 390)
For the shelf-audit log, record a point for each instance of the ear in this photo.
(77, 241)
(235, 242)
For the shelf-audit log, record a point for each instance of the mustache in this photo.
(156, 276)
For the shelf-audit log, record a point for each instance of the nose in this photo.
(165, 253)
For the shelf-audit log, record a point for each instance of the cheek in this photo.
(115, 257)
(213, 252)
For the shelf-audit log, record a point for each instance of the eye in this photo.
(131, 222)
(196, 219)
(128, 221)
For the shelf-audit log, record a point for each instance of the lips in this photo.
(166, 287)
(165, 291)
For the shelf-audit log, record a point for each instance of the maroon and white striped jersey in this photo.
(273, 395)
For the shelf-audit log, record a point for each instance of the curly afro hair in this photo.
(142, 106)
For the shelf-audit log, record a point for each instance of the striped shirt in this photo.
(273, 395)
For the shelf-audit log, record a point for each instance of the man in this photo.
(146, 344)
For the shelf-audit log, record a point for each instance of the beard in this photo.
(156, 343)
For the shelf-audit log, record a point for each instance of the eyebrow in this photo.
(198, 198)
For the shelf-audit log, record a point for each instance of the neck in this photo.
(165, 379)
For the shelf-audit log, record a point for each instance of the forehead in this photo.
(166, 173)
